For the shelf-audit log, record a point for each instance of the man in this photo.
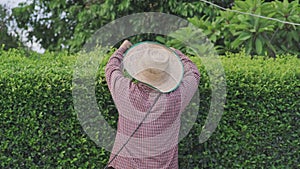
(150, 85)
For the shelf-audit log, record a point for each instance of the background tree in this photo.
(232, 32)
(68, 24)
(7, 40)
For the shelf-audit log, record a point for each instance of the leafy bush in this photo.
(231, 31)
(85, 17)
(259, 128)
(38, 126)
(7, 40)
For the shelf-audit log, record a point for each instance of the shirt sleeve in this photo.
(191, 78)
(123, 90)
(114, 74)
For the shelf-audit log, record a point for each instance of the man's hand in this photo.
(126, 44)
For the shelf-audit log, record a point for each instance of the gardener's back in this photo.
(149, 108)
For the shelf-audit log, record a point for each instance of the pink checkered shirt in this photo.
(155, 143)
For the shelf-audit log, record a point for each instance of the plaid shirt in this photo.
(155, 143)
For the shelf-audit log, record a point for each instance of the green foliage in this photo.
(38, 126)
(259, 128)
(69, 24)
(232, 31)
(7, 40)
(190, 40)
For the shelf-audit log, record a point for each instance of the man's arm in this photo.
(191, 78)
(190, 69)
(113, 71)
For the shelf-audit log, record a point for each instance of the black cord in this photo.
(140, 124)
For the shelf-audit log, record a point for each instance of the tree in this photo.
(6, 39)
(68, 24)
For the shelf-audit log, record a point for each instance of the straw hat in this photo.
(154, 64)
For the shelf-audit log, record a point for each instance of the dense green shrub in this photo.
(38, 126)
(259, 128)
(230, 31)
(260, 125)
(85, 17)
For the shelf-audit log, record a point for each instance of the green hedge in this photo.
(259, 128)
